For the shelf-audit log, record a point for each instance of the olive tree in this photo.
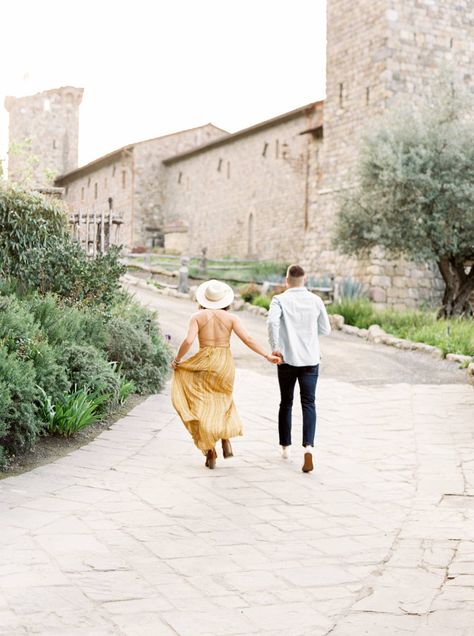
(414, 192)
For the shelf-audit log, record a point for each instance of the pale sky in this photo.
(151, 67)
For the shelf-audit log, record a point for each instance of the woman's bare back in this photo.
(214, 327)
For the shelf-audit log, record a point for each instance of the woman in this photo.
(203, 384)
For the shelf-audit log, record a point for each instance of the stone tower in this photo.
(376, 50)
(43, 134)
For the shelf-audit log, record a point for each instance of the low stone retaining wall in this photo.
(374, 333)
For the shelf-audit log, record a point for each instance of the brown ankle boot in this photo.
(211, 457)
(227, 449)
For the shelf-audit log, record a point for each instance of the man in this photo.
(295, 320)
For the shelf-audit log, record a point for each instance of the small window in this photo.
(113, 171)
(89, 182)
(219, 165)
(277, 148)
(228, 169)
(124, 178)
(265, 148)
(341, 95)
(284, 150)
(367, 95)
(180, 176)
(54, 144)
(67, 190)
(82, 194)
(451, 43)
(106, 183)
(96, 190)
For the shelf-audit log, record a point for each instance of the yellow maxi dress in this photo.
(203, 384)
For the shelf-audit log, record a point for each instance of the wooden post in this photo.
(102, 232)
(87, 233)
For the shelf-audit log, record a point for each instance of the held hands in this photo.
(174, 363)
(275, 357)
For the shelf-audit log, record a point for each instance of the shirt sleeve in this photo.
(273, 324)
(324, 326)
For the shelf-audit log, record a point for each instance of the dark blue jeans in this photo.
(307, 379)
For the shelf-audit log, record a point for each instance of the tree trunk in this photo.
(459, 288)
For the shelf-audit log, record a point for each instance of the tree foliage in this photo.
(415, 190)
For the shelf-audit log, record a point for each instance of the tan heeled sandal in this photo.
(227, 449)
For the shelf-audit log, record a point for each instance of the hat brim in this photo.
(201, 298)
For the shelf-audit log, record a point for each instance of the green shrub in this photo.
(262, 301)
(19, 425)
(249, 292)
(88, 369)
(84, 281)
(72, 412)
(38, 253)
(28, 220)
(126, 388)
(358, 312)
(142, 357)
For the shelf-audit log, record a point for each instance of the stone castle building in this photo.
(272, 190)
(43, 134)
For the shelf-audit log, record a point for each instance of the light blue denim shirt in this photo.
(295, 320)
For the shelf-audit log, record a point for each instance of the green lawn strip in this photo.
(449, 335)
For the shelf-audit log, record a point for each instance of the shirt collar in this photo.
(296, 289)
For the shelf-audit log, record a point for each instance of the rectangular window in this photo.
(277, 148)
(367, 95)
(105, 183)
(265, 148)
(341, 95)
(219, 165)
(82, 194)
(113, 171)
(180, 176)
(228, 169)
(124, 179)
(96, 190)
(54, 144)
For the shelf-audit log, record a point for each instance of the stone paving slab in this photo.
(132, 535)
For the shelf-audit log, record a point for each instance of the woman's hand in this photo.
(274, 359)
(175, 363)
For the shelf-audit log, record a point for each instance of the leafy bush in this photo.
(142, 357)
(262, 301)
(28, 220)
(19, 425)
(72, 412)
(84, 281)
(88, 369)
(249, 292)
(358, 312)
(38, 253)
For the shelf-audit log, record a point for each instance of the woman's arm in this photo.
(187, 342)
(250, 342)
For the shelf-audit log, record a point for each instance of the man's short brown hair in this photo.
(295, 271)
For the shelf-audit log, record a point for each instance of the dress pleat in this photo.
(202, 396)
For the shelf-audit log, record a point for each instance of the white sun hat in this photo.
(214, 294)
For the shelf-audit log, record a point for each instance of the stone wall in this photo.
(43, 135)
(148, 180)
(104, 185)
(247, 196)
(129, 182)
(376, 50)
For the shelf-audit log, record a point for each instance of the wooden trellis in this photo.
(96, 231)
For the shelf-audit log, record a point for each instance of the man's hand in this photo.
(279, 355)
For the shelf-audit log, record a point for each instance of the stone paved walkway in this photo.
(132, 535)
